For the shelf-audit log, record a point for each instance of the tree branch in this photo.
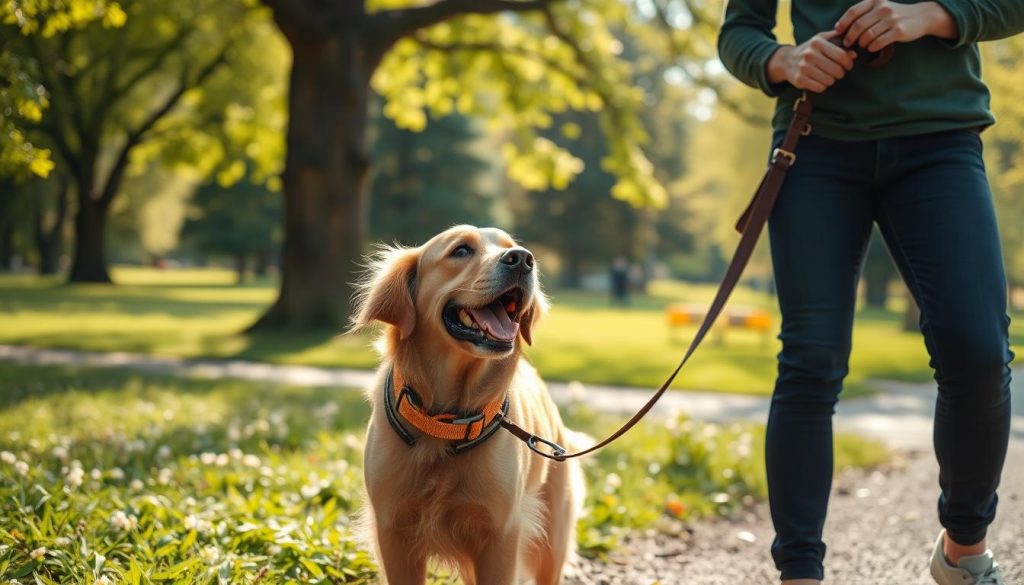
(499, 49)
(308, 20)
(118, 90)
(389, 26)
(135, 136)
(700, 80)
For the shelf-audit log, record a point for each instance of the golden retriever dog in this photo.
(443, 481)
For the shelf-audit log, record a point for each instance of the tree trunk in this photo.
(262, 263)
(572, 271)
(49, 254)
(325, 180)
(49, 241)
(90, 262)
(6, 246)
(240, 268)
(878, 272)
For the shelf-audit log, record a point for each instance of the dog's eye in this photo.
(461, 251)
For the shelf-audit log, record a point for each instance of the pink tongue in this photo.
(494, 320)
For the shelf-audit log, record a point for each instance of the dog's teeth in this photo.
(464, 317)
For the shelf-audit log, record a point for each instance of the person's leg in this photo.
(936, 214)
(819, 230)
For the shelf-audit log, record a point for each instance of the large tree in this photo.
(541, 56)
(114, 83)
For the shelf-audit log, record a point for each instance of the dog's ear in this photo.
(538, 309)
(386, 292)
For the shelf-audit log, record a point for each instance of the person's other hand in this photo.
(876, 24)
(814, 66)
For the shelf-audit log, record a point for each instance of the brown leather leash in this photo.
(750, 225)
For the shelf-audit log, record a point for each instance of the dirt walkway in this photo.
(880, 531)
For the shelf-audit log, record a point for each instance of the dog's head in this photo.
(472, 288)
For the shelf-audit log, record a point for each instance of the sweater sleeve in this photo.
(746, 42)
(985, 20)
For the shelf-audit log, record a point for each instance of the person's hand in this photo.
(814, 66)
(876, 24)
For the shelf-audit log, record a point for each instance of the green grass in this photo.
(109, 476)
(200, 312)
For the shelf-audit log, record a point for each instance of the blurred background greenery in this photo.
(178, 134)
(256, 137)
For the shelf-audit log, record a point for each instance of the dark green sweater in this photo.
(931, 85)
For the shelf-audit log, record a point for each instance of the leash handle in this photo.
(750, 225)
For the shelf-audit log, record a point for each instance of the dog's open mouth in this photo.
(492, 326)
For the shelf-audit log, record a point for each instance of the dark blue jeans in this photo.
(930, 198)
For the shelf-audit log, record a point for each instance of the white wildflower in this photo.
(235, 453)
(352, 441)
(613, 481)
(222, 460)
(209, 553)
(21, 467)
(38, 554)
(60, 452)
(103, 580)
(164, 452)
(62, 541)
(164, 476)
(8, 457)
(74, 477)
(117, 473)
(136, 485)
(193, 522)
(251, 461)
(123, 522)
(208, 458)
(96, 474)
(309, 491)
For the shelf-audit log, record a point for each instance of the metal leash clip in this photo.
(557, 451)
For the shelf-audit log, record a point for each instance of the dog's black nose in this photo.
(518, 258)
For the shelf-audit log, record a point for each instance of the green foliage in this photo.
(124, 478)
(138, 480)
(583, 225)
(237, 221)
(1004, 143)
(516, 72)
(426, 181)
(138, 81)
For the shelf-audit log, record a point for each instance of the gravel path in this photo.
(901, 415)
(880, 531)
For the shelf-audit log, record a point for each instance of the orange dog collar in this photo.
(464, 430)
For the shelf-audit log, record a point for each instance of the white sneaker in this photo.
(973, 570)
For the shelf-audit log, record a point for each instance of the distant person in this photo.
(619, 275)
(898, 145)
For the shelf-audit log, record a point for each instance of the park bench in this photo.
(679, 315)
